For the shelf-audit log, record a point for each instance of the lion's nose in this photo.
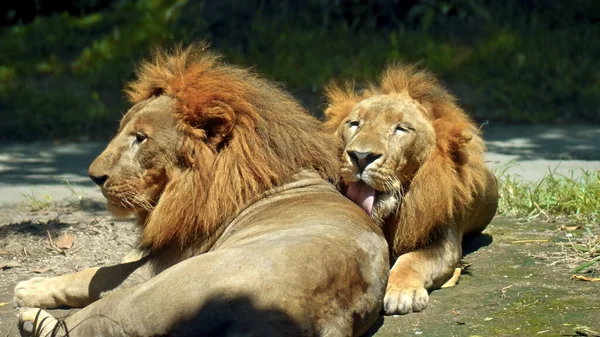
(99, 180)
(363, 159)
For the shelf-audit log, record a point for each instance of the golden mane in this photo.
(444, 186)
(255, 135)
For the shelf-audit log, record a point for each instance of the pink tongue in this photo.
(362, 194)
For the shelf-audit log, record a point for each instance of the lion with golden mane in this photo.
(414, 161)
(242, 230)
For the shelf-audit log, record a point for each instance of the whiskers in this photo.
(382, 181)
(128, 199)
(143, 202)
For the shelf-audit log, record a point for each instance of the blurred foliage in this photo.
(62, 70)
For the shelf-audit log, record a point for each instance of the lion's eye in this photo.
(140, 137)
(401, 129)
(353, 124)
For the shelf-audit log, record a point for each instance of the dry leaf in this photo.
(3, 252)
(3, 303)
(40, 270)
(585, 278)
(8, 265)
(454, 279)
(455, 312)
(64, 241)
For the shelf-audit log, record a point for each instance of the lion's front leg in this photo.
(52, 292)
(416, 272)
(74, 290)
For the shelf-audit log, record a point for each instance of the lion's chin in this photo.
(120, 212)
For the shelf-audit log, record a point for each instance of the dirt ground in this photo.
(511, 288)
(26, 250)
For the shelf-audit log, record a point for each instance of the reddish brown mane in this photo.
(444, 185)
(257, 135)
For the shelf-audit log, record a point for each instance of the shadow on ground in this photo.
(38, 163)
(33, 228)
(47, 172)
(473, 243)
(530, 142)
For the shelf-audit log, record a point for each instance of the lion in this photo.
(241, 226)
(413, 160)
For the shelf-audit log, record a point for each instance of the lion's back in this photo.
(348, 257)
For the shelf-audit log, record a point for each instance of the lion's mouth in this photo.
(362, 194)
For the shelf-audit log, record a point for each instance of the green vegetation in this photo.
(38, 203)
(556, 196)
(577, 198)
(61, 75)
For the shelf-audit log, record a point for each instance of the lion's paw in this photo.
(38, 323)
(404, 300)
(36, 292)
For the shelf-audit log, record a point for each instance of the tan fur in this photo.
(242, 231)
(436, 180)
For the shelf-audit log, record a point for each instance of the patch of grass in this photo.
(73, 189)
(576, 196)
(38, 203)
(61, 76)
(79, 199)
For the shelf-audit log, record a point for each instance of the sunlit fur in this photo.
(242, 137)
(443, 187)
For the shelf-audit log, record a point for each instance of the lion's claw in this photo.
(404, 300)
(37, 323)
(26, 328)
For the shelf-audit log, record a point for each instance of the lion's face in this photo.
(135, 167)
(387, 138)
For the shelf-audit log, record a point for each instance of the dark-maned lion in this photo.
(414, 161)
(240, 227)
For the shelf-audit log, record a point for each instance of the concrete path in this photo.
(532, 151)
(47, 169)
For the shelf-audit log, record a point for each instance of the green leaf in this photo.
(586, 265)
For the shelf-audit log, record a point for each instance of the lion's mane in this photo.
(444, 186)
(257, 136)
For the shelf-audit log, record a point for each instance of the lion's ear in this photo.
(461, 137)
(218, 121)
(461, 134)
(341, 101)
(465, 136)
